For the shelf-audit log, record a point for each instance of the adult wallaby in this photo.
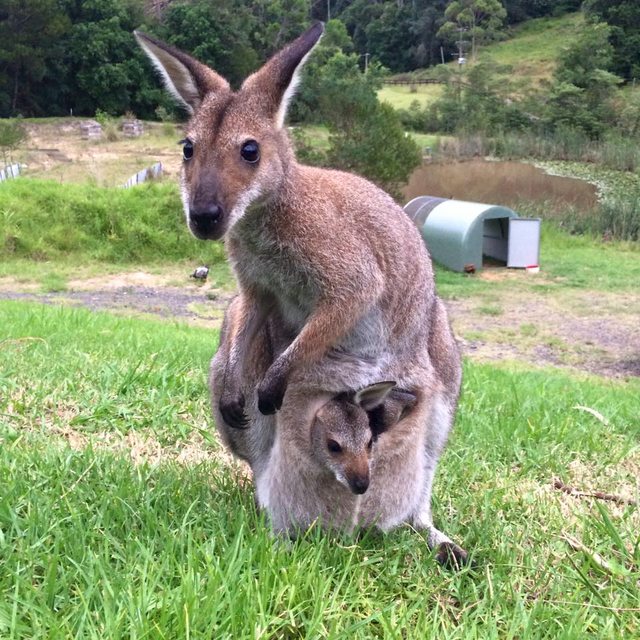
(331, 255)
(340, 462)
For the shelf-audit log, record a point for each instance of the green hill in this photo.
(531, 49)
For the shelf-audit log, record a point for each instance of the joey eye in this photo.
(369, 444)
(250, 151)
(187, 148)
(333, 446)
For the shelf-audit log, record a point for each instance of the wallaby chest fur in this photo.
(334, 236)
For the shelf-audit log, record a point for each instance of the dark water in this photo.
(503, 183)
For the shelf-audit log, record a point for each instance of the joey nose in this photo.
(205, 221)
(359, 484)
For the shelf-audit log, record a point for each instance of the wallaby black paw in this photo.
(232, 412)
(268, 405)
(270, 396)
(451, 556)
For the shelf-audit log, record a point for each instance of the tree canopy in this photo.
(79, 55)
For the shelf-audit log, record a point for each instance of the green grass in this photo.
(424, 140)
(533, 47)
(94, 546)
(42, 220)
(401, 96)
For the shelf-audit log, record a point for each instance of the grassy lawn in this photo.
(533, 47)
(119, 514)
(401, 96)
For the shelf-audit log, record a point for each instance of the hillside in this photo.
(530, 50)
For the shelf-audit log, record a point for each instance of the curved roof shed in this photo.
(459, 233)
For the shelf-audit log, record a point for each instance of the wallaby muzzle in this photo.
(207, 222)
(207, 219)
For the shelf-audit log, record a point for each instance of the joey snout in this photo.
(358, 483)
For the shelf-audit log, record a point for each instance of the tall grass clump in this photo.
(44, 220)
(617, 217)
(614, 151)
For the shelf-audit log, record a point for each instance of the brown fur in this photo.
(334, 260)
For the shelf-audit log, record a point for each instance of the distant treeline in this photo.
(62, 56)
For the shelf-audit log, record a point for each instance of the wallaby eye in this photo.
(333, 446)
(187, 148)
(250, 151)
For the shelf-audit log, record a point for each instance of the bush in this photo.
(376, 147)
(12, 135)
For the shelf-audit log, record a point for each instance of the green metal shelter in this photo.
(458, 234)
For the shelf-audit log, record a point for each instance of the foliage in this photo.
(31, 36)
(376, 147)
(12, 135)
(521, 10)
(582, 88)
(366, 136)
(480, 19)
(476, 100)
(216, 33)
(144, 223)
(623, 16)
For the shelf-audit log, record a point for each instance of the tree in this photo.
(365, 135)
(480, 19)
(582, 89)
(623, 16)
(30, 31)
(12, 135)
(216, 33)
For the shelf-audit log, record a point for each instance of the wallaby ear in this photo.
(184, 77)
(277, 80)
(374, 395)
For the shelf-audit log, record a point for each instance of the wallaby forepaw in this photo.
(268, 404)
(232, 412)
(270, 394)
(451, 556)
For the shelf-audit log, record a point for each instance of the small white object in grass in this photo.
(200, 273)
(534, 268)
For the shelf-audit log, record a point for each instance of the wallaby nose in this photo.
(359, 484)
(205, 221)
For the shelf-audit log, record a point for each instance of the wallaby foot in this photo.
(448, 553)
(451, 556)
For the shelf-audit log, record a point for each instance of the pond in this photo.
(503, 183)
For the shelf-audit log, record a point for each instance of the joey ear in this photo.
(397, 404)
(184, 77)
(277, 80)
(374, 395)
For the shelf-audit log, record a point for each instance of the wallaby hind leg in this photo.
(448, 553)
(253, 441)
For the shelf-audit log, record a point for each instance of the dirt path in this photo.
(599, 336)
